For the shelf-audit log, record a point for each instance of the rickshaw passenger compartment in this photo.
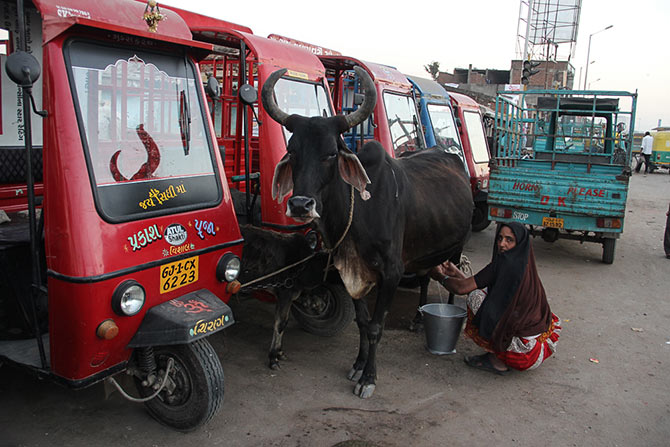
(13, 165)
(16, 279)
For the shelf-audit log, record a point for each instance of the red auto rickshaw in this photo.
(395, 121)
(475, 146)
(252, 143)
(121, 247)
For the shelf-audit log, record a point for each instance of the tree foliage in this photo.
(433, 68)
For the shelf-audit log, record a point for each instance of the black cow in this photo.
(410, 214)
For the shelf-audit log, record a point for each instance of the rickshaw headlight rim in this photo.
(228, 268)
(128, 298)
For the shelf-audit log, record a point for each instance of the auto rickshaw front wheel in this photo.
(195, 387)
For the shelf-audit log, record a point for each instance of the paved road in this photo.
(422, 399)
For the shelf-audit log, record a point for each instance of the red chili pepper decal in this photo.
(149, 167)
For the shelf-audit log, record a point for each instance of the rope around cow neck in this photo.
(327, 250)
(330, 251)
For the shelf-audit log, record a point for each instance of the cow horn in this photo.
(364, 111)
(267, 96)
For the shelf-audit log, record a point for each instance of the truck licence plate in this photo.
(552, 222)
(179, 274)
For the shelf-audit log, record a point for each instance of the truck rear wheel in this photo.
(194, 391)
(480, 217)
(608, 250)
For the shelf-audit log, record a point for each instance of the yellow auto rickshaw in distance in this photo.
(660, 155)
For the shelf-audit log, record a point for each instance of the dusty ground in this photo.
(422, 399)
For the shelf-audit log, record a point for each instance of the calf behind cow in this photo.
(410, 214)
(265, 252)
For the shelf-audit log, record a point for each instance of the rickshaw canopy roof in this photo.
(300, 61)
(429, 88)
(122, 16)
(382, 74)
(465, 101)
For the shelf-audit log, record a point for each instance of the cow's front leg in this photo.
(417, 323)
(365, 387)
(362, 321)
(284, 299)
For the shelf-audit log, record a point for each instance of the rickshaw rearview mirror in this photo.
(212, 87)
(248, 94)
(358, 99)
(22, 68)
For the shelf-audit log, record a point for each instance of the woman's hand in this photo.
(453, 279)
(446, 269)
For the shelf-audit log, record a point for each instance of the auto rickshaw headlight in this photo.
(128, 298)
(228, 268)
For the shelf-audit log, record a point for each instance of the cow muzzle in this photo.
(302, 209)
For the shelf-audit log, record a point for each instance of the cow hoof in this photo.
(364, 391)
(354, 374)
(275, 366)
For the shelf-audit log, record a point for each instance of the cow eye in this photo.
(329, 157)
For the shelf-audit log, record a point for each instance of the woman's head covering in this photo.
(516, 304)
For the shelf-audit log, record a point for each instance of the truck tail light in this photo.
(608, 222)
(501, 212)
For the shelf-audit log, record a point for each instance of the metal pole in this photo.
(588, 56)
(525, 46)
(245, 124)
(580, 77)
(588, 53)
(36, 285)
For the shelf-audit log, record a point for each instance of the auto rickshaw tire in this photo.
(328, 317)
(480, 219)
(198, 395)
(608, 250)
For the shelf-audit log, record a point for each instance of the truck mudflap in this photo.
(183, 320)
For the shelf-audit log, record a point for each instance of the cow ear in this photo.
(353, 172)
(282, 181)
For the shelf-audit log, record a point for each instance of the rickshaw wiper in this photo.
(185, 122)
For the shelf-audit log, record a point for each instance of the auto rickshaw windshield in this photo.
(301, 98)
(403, 122)
(144, 131)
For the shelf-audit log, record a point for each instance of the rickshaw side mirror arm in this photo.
(24, 69)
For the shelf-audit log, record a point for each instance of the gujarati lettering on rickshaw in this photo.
(158, 197)
(144, 237)
(203, 327)
(204, 226)
(178, 250)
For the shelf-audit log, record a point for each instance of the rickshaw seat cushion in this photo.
(183, 320)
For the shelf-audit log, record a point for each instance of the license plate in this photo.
(179, 274)
(552, 222)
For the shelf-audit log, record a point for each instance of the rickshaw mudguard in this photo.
(183, 320)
